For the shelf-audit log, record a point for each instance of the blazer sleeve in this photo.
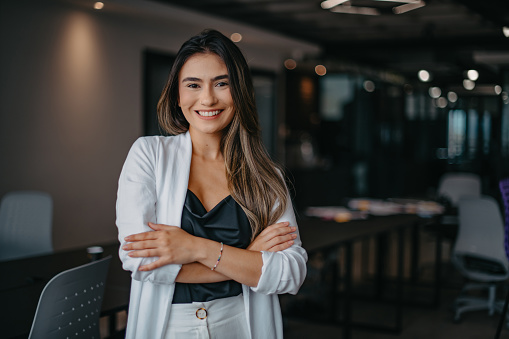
(283, 271)
(136, 207)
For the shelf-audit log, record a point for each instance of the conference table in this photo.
(22, 281)
(328, 237)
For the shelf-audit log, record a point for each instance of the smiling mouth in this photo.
(209, 113)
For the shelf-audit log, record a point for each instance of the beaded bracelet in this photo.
(218, 259)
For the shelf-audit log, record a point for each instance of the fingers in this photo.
(282, 246)
(142, 236)
(276, 230)
(159, 227)
(143, 253)
(139, 245)
(151, 266)
(281, 240)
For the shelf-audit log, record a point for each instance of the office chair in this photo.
(70, 304)
(26, 219)
(504, 190)
(479, 254)
(452, 187)
(455, 185)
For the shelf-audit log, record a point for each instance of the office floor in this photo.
(418, 323)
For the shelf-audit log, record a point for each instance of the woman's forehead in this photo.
(204, 63)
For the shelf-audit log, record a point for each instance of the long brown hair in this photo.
(254, 180)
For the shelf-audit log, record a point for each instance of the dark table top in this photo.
(317, 234)
(22, 281)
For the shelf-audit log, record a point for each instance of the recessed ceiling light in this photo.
(442, 102)
(424, 75)
(468, 84)
(236, 37)
(369, 86)
(472, 74)
(320, 70)
(452, 96)
(99, 5)
(435, 92)
(505, 30)
(290, 64)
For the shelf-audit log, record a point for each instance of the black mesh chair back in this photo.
(70, 304)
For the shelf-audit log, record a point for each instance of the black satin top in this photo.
(226, 223)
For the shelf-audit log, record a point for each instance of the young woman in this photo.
(205, 221)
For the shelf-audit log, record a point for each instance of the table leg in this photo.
(414, 266)
(438, 270)
(334, 284)
(381, 265)
(399, 281)
(347, 299)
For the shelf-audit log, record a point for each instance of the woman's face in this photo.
(204, 94)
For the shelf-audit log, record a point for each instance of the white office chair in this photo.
(70, 304)
(455, 185)
(26, 219)
(479, 254)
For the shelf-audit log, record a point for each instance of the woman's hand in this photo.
(171, 244)
(274, 238)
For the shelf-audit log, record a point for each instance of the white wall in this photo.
(71, 97)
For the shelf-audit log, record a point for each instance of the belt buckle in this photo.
(201, 313)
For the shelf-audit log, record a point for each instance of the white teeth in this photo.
(208, 113)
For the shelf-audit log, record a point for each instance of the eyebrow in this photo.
(219, 77)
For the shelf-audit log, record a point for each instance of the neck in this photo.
(206, 146)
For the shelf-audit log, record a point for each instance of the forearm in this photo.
(241, 265)
(196, 273)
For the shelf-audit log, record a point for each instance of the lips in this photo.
(209, 113)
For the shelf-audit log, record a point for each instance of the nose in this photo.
(208, 97)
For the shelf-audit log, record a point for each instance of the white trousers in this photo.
(222, 318)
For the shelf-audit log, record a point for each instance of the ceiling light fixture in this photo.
(435, 92)
(328, 4)
(441, 102)
(355, 10)
(408, 7)
(369, 86)
(472, 74)
(505, 30)
(424, 75)
(320, 70)
(452, 96)
(290, 64)
(345, 6)
(99, 5)
(236, 37)
(468, 84)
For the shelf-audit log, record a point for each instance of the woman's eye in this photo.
(222, 83)
(192, 85)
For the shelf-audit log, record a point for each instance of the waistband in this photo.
(203, 313)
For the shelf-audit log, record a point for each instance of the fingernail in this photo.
(294, 236)
(130, 254)
(294, 228)
(291, 242)
(124, 247)
(126, 238)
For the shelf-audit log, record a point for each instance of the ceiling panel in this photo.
(446, 32)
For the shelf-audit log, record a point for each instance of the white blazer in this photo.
(152, 188)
